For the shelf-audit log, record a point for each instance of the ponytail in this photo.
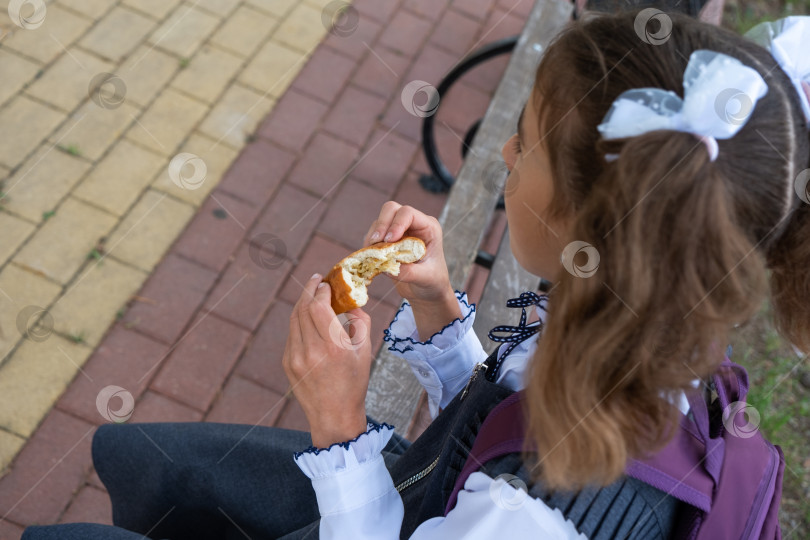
(673, 277)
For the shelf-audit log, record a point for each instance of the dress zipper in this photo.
(478, 367)
(424, 472)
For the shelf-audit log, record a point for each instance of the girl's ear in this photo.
(672, 263)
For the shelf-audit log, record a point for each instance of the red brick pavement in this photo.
(203, 338)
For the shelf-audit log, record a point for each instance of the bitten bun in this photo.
(349, 279)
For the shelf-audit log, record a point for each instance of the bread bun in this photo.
(349, 279)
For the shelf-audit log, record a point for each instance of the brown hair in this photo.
(685, 244)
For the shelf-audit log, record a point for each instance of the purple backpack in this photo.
(729, 475)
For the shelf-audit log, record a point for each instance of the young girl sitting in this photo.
(682, 194)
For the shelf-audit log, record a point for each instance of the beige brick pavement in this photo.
(94, 104)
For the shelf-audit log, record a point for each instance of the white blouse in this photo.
(355, 492)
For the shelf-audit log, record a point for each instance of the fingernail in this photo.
(321, 284)
(388, 237)
(375, 236)
(315, 276)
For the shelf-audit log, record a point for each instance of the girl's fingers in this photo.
(377, 230)
(308, 330)
(410, 219)
(323, 316)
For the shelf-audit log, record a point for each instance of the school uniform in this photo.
(233, 481)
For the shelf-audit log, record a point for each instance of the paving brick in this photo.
(124, 358)
(324, 74)
(262, 359)
(354, 115)
(235, 116)
(478, 9)
(245, 402)
(427, 9)
(244, 31)
(487, 76)
(324, 164)
(24, 123)
(42, 182)
(291, 216)
(405, 32)
(320, 256)
(349, 228)
(145, 72)
(62, 244)
(117, 34)
(430, 66)
(246, 289)
(519, 8)
(386, 157)
(462, 106)
(154, 407)
(91, 505)
(293, 417)
(92, 129)
(147, 231)
(10, 444)
(273, 69)
(25, 289)
(381, 70)
(214, 233)
(90, 304)
(169, 298)
(448, 145)
(167, 121)
(277, 8)
(217, 158)
(120, 178)
(15, 232)
(413, 194)
(199, 364)
(218, 7)
(47, 471)
(381, 313)
(356, 44)
(456, 32)
(62, 27)
(10, 531)
(504, 21)
(494, 234)
(65, 84)
(93, 9)
(17, 72)
(379, 11)
(154, 9)
(257, 172)
(184, 30)
(302, 29)
(34, 378)
(208, 73)
(293, 120)
(93, 479)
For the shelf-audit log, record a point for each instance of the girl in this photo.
(692, 215)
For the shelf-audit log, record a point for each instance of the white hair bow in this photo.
(788, 40)
(719, 97)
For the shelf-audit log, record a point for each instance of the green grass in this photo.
(184, 62)
(78, 338)
(47, 215)
(71, 149)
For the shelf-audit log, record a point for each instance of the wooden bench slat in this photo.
(394, 392)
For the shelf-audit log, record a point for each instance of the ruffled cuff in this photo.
(344, 456)
(443, 363)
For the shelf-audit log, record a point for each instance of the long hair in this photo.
(688, 247)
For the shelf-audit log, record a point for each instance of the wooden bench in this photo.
(394, 393)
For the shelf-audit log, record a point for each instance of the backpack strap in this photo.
(672, 470)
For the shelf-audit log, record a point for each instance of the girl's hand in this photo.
(426, 281)
(328, 367)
